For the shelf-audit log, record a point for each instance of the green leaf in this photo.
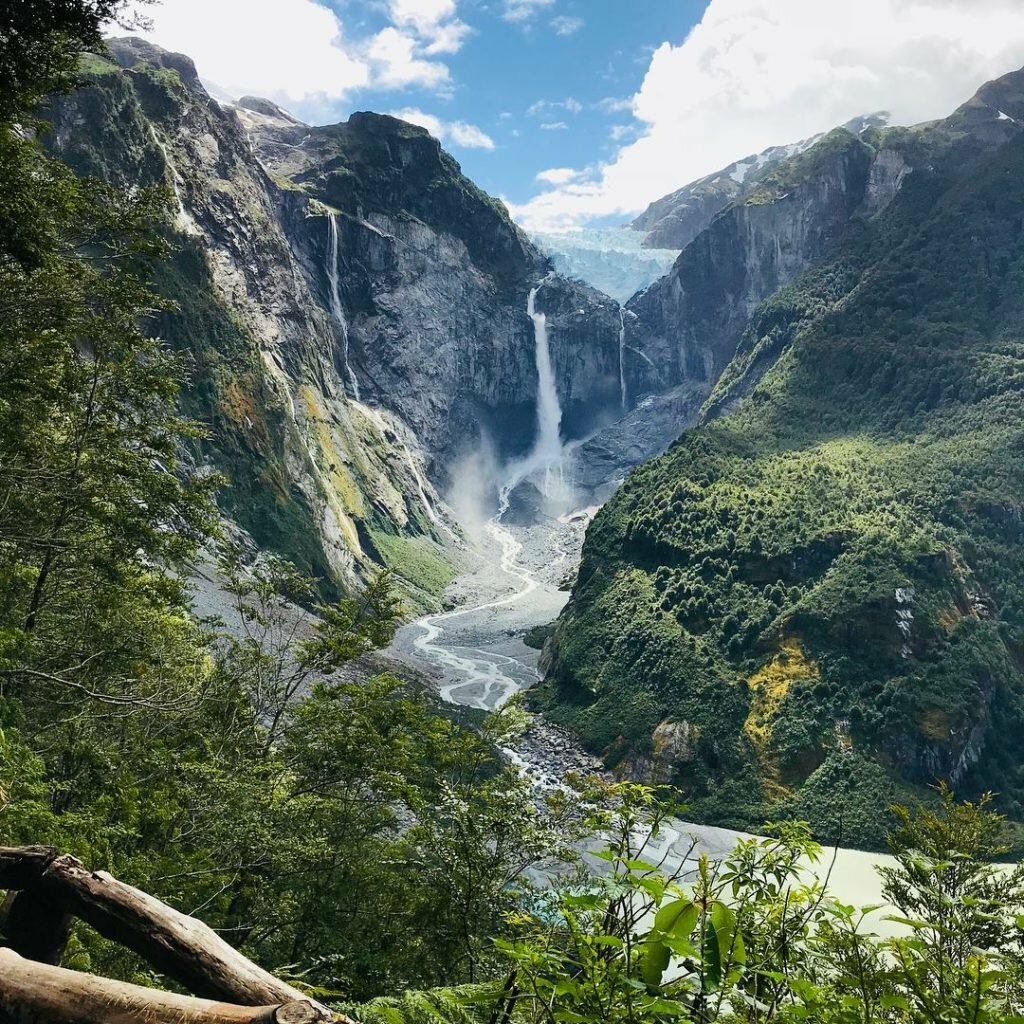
(655, 959)
(909, 922)
(639, 865)
(677, 918)
(730, 949)
(712, 956)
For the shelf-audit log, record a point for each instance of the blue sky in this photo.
(579, 112)
(514, 80)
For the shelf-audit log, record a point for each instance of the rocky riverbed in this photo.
(475, 649)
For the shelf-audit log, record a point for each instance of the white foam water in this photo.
(548, 446)
(548, 462)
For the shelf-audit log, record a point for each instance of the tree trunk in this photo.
(179, 946)
(32, 993)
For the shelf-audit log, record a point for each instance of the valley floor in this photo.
(475, 650)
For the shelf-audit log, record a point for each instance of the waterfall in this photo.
(548, 448)
(622, 363)
(548, 453)
(337, 312)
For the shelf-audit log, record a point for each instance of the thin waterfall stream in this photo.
(337, 310)
(622, 365)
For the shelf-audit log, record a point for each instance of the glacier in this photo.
(612, 260)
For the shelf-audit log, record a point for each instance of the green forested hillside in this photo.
(817, 599)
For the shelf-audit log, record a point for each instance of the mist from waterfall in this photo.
(337, 311)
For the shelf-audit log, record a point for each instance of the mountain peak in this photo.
(268, 108)
(128, 51)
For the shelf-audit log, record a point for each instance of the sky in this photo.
(581, 112)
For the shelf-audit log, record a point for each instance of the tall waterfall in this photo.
(548, 454)
(337, 312)
(622, 355)
(548, 448)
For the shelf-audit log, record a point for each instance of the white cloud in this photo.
(558, 175)
(423, 14)
(290, 50)
(756, 73)
(392, 54)
(457, 133)
(615, 104)
(624, 131)
(296, 50)
(447, 38)
(554, 126)
(565, 25)
(434, 23)
(523, 10)
(569, 104)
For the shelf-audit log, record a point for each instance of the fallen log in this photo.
(33, 993)
(182, 947)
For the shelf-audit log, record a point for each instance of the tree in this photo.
(964, 909)
(282, 638)
(93, 506)
(42, 41)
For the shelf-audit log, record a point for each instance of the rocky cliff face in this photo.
(351, 308)
(755, 227)
(749, 231)
(675, 220)
(685, 327)
(434, 279)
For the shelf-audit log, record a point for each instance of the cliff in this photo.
(352, 310)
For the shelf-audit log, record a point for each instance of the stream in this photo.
(475, 649)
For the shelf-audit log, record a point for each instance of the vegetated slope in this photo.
(816, 600)
(323, 480)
